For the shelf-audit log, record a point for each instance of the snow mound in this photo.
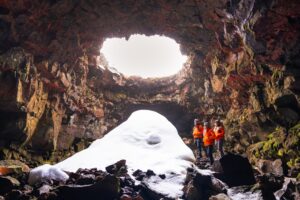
(47, 172)
(147, 140)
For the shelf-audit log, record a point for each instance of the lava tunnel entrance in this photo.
(144, 56)
(176, 114)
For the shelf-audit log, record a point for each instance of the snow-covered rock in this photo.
(147, 140)
(47, 172)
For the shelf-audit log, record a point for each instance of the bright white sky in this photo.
(145, 56)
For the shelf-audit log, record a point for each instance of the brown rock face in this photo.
(56, 88)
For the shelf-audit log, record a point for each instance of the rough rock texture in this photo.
(234, 170)
(282, 151)
(57, 91)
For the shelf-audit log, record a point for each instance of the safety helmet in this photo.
(196, 121)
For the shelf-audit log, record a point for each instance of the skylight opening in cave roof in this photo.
(145, 56)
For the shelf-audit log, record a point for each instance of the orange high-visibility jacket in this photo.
(219, 132)
(208, 136)
(198, 131)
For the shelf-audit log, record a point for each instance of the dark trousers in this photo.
(209, 150)
(199, 143)
(219, 144)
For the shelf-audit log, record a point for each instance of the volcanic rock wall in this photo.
(57, 91)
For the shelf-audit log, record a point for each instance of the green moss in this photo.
(280, 152)
(277, 74)
(270, 148)
(270, 136)
(291, 163)
(257, 154)
(278, 145)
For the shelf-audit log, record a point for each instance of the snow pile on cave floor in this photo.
(147, 140)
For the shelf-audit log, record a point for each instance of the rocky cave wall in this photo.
(57, 91)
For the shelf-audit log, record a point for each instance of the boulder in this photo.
(234, 170)
(200, 186)
(191, 192)
(7, 184)
(221, 196)
(149, 193)
(273, 167)
(12, 166)
(269, 183)
(117, 168)
(44, 189)
(288, 100)
(15, 194)
(107, 188)
(290, 190)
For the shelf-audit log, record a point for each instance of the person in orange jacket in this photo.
(208, 140)
(198, 136)
(219, 133)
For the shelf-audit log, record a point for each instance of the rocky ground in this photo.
(58, 93)
(231, 177)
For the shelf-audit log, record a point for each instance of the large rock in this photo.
(220, 197)
(106, 189)
(202, 184)
(290, 190)
(268, 166)
(234, 170)
(269, 183)
(8, 183)
(12, 166)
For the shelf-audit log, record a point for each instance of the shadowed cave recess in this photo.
(57, 92)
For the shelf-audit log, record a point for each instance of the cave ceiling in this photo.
(50, 58)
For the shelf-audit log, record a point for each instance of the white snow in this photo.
(147, 140)
(243, 193)
(47, 172)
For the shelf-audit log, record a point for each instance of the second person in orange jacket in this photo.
(208, 140)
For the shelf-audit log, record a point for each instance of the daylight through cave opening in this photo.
(144, 56)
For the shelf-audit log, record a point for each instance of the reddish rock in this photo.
(51, 68)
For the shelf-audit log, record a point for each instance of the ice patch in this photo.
(147, 140)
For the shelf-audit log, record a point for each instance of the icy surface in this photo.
(243, 193)
(147, 140)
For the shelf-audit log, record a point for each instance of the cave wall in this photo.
(56, 88)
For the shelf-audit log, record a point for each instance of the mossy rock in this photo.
(293, 139)
(277, 146)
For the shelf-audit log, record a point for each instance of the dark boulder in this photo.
(234, 170)
(139, 174)
(117, 168)
(8, 183)
(148, 193)
(106, 189)
(288, 100)
(270, 183)
(290, 190)
(220, 197)
(200, 186)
